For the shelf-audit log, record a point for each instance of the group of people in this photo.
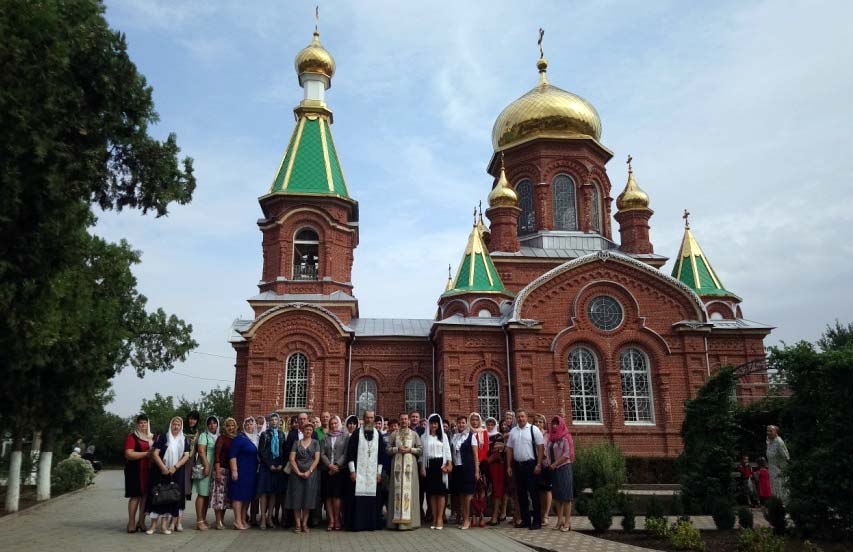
(367, 474)
(766, 480)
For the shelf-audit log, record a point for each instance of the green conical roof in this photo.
(476, 273)
(694, 270)
(310, 164)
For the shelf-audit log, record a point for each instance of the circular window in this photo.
(605, 312)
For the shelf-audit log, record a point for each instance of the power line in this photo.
(199, 377)
(211, 354)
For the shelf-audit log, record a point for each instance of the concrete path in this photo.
(94, 520)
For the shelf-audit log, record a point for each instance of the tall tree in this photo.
(74, 132)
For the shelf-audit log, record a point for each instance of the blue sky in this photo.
(738, 111)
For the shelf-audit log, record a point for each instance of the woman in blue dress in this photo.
(244, 471)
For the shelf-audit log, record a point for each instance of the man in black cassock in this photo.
(366, 452)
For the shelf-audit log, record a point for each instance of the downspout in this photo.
(434, 407)
(508, 370)
(349, 373)
(707, 358)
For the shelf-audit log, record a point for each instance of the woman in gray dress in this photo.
(304, 484)
(777, 459)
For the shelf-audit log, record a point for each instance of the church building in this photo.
(546, 310)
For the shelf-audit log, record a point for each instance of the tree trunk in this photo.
(13, 484)
(48, 439)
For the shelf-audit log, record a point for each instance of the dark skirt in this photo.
(270, 482)
(332, 486)
(435, 478)
(563, 486)
(133, 480)
(157, 477)
(462, 480)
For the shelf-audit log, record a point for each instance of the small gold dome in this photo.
(632, 197)
(315, 59)
(546, 111)
(502, 195)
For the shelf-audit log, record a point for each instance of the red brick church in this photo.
(545, 311)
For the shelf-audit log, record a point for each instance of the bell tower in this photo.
(310, 224)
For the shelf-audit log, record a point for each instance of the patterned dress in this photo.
(219, 499)
(302, 493)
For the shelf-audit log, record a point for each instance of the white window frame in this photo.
(418, 404)
(362, 387)
(647, 372)
(597, 372)
(496, 397)
(291, 378)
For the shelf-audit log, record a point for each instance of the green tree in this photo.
(217, 401)
(160, 410)
(74, 132)
(710, 438)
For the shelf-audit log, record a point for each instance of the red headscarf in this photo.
(555, 434)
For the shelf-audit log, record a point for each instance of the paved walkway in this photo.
(93, 520)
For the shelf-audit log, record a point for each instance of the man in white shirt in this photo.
(524, 452)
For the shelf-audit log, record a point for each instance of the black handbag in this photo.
(163, 494)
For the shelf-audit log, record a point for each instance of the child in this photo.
(746, 486)
(478, 503)
(764, 489)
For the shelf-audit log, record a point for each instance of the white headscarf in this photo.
(255, 435)
(211, 436)
(174, 444)
(426, 444)
(494, 431)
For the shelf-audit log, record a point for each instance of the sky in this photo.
(738, 111)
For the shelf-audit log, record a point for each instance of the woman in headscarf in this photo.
(777, 459)
(302, 488)
(347, 485)
(170, 454)
(271, 480)
(466, 470)
(559, 455)
(497, 471)
(436, 464)
(243, 461)
(206, 447)
(191, 432)
(137, 452)
(219, 499)
(544, 479)
(333, 455)
(255, 507)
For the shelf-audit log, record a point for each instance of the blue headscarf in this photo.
(274, 444)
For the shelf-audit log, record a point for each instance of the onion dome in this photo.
(502, 195)
(632, 197)
(545, 112)
(314, 58)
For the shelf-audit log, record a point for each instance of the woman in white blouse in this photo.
(436, 464)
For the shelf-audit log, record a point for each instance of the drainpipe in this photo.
(434, 407)
(349, 373)
(707, 358)
(508, 370)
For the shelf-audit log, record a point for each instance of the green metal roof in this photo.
(310, 164)
(694, 270)
(476, 273)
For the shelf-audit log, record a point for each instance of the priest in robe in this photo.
(365, 452)
(404, 447)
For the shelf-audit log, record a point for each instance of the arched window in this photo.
(416, 396)
(636, 387)
(484, 313)
(306, 254)
(365, 396)
(527, 219)
(296, 381)
(565, 208)
(596, 208)
(488, 396)
(585, 392)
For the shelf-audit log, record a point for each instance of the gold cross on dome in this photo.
(541, 36)
(686, 217)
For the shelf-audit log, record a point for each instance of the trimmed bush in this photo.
(71, 474)
(774, 513)
(744, 518)
(684, 536)
(601, 507)
(627, 511)
(597, 466)
(723, 515)
(760, 540)
(657, 526)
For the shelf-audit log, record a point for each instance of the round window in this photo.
(605, 312)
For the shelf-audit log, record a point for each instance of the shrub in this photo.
(760, 540)
(601, 508)
(71, 474)
(744, 517)
(654, 508)
(684, 536)
(723, 514)
(774, 513)
(597, 466)
(627, 512)
(658, 527)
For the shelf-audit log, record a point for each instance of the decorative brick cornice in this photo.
(342, 328)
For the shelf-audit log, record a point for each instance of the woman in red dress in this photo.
(137, 447)
(497, 471)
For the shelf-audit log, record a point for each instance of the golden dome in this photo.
(502, 195)
(315, 59)
(548, 112)
(632, 197)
